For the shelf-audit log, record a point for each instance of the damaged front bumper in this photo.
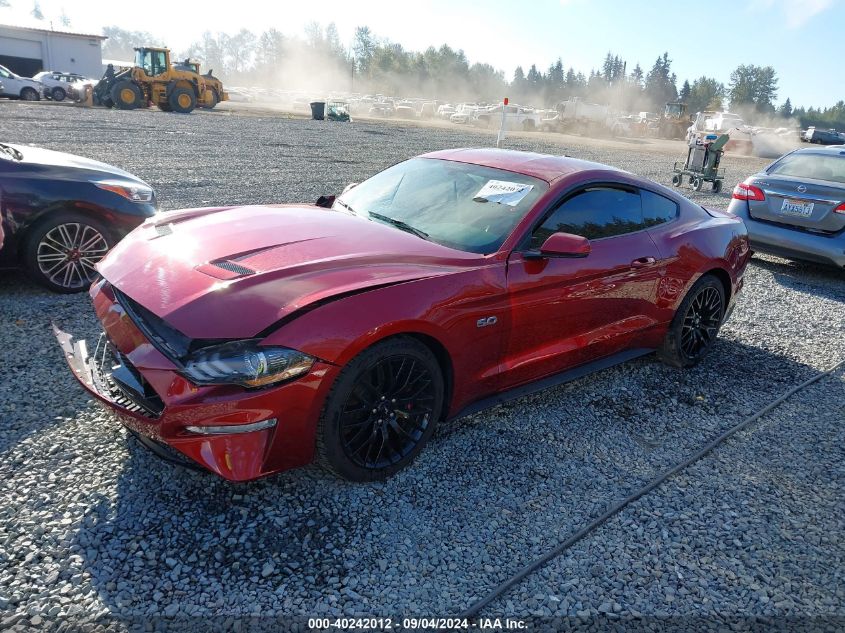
(224, 429)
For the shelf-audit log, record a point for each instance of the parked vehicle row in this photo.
(43, 85)
(822, 137)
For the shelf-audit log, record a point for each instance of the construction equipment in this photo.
(152, 81)
(702, 163)
(675, 121)
(214, 92)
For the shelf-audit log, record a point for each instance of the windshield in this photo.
(814, 166)
(151, 61)
(466, 207)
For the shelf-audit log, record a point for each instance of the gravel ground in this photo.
(92, 525)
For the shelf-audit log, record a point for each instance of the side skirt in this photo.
(552, 381)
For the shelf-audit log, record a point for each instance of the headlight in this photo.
(133, 192)
(246, 363)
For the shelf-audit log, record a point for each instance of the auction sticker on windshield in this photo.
(503, 192)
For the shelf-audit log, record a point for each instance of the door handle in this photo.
(642, 262)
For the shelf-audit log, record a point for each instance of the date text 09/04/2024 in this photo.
(386, 624)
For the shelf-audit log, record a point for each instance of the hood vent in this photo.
(225, 270)
(232, 267)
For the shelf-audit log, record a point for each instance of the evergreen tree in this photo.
(637, 76)
(660, 83)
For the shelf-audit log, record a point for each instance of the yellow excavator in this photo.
(153, 81)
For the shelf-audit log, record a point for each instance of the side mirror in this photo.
(325, 201)
(562, 245)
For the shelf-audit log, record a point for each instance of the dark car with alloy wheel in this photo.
(62, 213)
(345, 331)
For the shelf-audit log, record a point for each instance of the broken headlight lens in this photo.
(246, 363)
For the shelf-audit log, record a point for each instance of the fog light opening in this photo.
(228, 429)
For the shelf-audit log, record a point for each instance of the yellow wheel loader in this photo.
(151, 81)
(214, 92)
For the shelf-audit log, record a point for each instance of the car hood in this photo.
(35, 158)
(235, 272)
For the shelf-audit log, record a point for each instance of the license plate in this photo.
(797, 207)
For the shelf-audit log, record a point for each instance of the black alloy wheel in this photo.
(387, 412)
(701, 322)
(381, 411)
(696, 324)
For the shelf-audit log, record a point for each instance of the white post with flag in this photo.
(503, 129)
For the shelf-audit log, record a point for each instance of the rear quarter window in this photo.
(657, 209)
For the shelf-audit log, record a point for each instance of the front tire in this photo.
(695, 325)
(381, 411)
(60, 254)
(182, 100)
(58, 94)
(126, 95)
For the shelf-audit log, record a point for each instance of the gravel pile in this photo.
(91, 524)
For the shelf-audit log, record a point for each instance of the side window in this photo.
(594, 213)
(657, 209)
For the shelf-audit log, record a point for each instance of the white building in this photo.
(26, 51)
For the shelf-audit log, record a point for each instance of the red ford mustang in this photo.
(251, 340)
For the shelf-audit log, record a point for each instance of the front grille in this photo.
(121, 381)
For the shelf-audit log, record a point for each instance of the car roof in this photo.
(826, 150)
(543, 166)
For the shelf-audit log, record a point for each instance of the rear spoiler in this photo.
(718, 213)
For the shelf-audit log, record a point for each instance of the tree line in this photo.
(318, 61)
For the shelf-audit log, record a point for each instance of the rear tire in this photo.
(182, 100)
(717, 186)
(381, 411)
(60, 254)
(697, 184)
(58, 94)
(677, 179)
(695, 325)
(30, 94)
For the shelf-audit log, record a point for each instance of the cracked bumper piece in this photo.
(236, 433)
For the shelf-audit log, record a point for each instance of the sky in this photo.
(801, 39)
